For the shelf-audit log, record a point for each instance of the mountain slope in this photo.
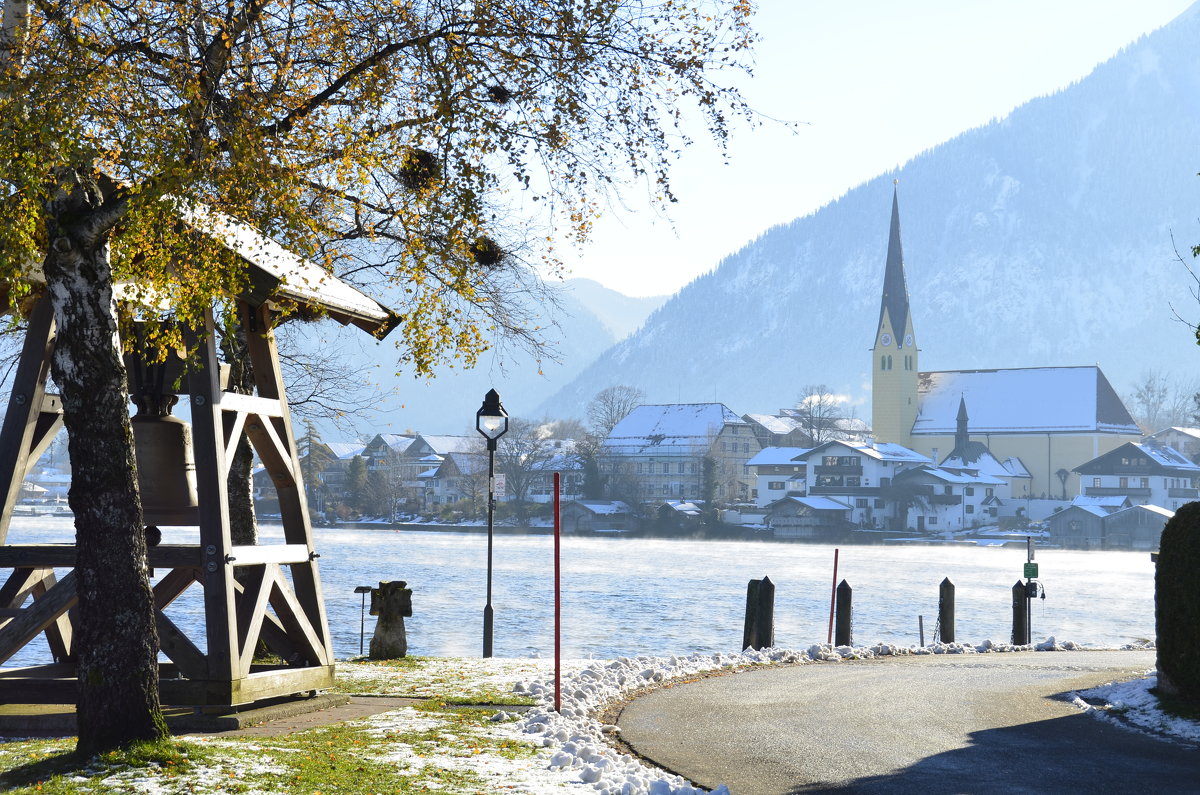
(1044, 238)
(591, 318)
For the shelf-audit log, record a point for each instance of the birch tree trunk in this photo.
(116, 640)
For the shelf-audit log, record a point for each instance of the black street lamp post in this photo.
(492, 422)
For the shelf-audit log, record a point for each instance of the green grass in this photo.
(349, 758)
(54, 767)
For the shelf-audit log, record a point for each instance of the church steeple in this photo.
(895, 289)
(894, 354)
(961, 435)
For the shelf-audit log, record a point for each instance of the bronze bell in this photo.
(166, 467)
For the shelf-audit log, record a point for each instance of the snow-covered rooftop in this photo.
(604, 507)
(1155, 509)
(671, 429)
(880, 451)
(344, 450)
(1025, 400)
(1141, 454)
(453, 444)
(776, 425)
(778, 456)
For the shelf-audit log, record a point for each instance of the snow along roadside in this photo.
(578, 738)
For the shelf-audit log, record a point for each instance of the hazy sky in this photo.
(874, 82)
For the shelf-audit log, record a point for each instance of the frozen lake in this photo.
(626, 596)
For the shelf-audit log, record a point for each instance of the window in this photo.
(878, 503)
(639, 467)
(970, 491)
(989, 491)
(745, 447)
(931, 520)
(1096, 483)
(1123, 483)
(861, 502)
(852, 481)
(680, 472)
(1145, 483)
(970, 509)
(775, 485)
(949, 490)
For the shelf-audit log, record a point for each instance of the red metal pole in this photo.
(557, 598)
(832, 597)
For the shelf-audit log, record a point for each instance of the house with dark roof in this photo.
(1185, 440)
(1146, 473)
(1049, 418)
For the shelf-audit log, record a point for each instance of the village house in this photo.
(859, 474)
(660, 450)
(581, 517)
(941, 500)
(1147, 473)
(1185, 440)
(778, 472)
(1135, 527)
(808, 518)
(1077, 527)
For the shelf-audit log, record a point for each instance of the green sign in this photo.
(1031, 571)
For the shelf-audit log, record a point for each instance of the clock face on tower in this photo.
(908, 340)
(885, 339)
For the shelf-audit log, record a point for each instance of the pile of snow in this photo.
(1132, 704)
(579, 741)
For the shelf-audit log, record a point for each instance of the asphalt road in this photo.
(932, 724)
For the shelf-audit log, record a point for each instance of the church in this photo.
(1044, 420)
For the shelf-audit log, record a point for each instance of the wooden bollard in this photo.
(1020, 608)
(844, 619)
(759, 631)
(946, 611)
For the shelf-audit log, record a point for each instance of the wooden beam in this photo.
(251, 404)
(62, 556)
(269, 553)
(299, 628)
(18, 632)
(21, 420)
(251, 608)
(172, 584)
(60, 632)
(179, 648)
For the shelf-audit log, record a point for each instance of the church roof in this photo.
(1023, 400)
(895, 289)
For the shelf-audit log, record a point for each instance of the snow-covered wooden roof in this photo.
(1024, 400)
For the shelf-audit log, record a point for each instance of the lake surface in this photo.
(628, 596)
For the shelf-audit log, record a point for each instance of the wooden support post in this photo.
(842, 635)
(1020, 608)
(946, 611)
(759, 630)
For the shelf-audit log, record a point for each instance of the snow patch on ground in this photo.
(1133, 705)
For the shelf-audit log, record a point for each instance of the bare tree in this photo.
(820, 413)
(1157, 401)
(611, 405)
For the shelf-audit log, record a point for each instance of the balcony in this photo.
(944, 499)
(822, 469)
(1189, 493)
(1116, 491)
(845, 491)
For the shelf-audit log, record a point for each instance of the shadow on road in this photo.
(1060, 755)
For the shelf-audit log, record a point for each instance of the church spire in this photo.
(895, 288)
(961, 435)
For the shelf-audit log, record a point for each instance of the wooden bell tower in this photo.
(275, 597)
